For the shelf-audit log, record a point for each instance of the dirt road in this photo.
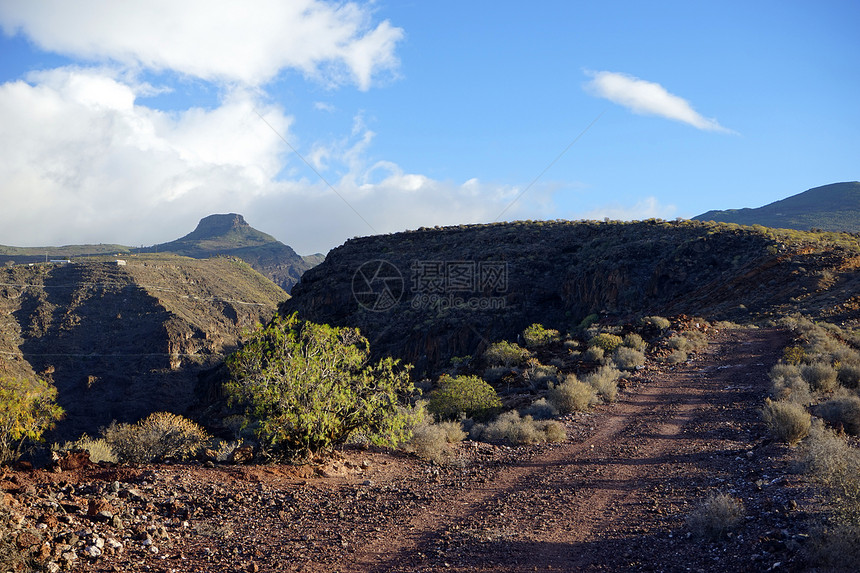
(618, 498)
(614, 497)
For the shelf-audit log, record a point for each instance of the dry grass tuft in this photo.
(716, 516)
(789, 422)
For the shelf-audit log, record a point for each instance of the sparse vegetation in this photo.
(634, 341)
(98, 449)
(842, 411)
(604, 380)
(310, 387)
(820, 376)
(788, 421)
(716, 516)
(541, 376)
(594, 354)
(572, 395)
(787, 384)
(541, 409)
(429, 440)
(467, 395)
(676, 357)
(158, 437)
(681, 343)
(834, 464)
(519, 431)
(28, 409)
(848, 375)
(657, 322)
(627, 358)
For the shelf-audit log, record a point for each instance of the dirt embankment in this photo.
(613, 497)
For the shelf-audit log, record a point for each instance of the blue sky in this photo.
(128, 122)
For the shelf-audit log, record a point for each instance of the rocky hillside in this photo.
(122, 341)
(833, 207)
(428, 295)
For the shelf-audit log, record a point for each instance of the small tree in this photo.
(28, 409)
(608, 342)
(467, 395)
(536, 335)
(505, 353)
(310, 387)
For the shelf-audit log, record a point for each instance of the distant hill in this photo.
(225, 235)
(230, 235)
(833, 207)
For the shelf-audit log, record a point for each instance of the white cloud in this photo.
(84, 162)
(648, 98)
(221, 40)
(648, 208)
(81, 160)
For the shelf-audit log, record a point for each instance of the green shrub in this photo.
(787, 421)
(159, 436)
(716, 516)
(820, 376)
(310, 387)
(657, 321)
(467, 395)
(28, 409)
(793, 355)
(510, 427)
(634, 341)
(627, 358)
(588, 321)
(505, 354)
(536, 336)
(604, 380)
(842, 411)
(608, 342)
(571, 395)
